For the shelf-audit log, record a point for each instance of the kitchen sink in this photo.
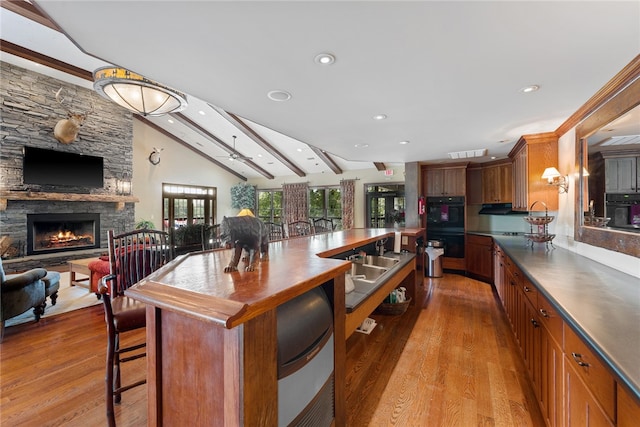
(380, 261)
(370, 272)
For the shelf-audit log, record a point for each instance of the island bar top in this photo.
(196, 285)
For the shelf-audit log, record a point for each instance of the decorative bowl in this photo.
(539, 238)
(539, 220)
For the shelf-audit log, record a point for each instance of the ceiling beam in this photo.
(217, 141)
(379, 166)
(187, 145)
(47, 61)
(327, 159)
(251, 133)
(29, 11)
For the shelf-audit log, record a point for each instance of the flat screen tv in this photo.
(50, 167)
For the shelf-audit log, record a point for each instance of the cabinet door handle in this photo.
(527, 289)
(577, 357)
(535, 323)
(544, 313)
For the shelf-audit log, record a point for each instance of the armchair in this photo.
(21, 292)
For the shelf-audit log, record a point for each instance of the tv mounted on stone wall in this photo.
(51, 167)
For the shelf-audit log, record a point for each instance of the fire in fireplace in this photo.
(47, 233)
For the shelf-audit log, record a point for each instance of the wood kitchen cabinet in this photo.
(479, 257)
(449, 181)
(497, 183)
(583, 368)
(572, 385)
(628, 408)
(550, 397)
(531, 155)
(622, 175)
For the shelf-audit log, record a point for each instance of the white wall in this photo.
(178, 165)
(565, 220)
(363, 176)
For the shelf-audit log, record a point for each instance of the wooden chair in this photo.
(276, 231)
(323, 225)
(300, 228)
(133, 255)
(212, 239)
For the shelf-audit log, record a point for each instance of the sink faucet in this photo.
(380, 245)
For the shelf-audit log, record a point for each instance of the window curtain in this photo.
(347, 194)
(296, 202)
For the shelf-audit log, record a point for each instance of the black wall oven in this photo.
(445, 222)
(624, 211)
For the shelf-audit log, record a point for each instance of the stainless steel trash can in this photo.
(433, 261)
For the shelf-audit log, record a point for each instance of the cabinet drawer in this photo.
(530, 291)
(550, 319)
(597, 378)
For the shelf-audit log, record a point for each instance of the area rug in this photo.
(69, 298)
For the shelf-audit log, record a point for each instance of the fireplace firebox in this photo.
(48, 233)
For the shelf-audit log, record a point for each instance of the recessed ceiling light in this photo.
(404, 142)
(299, 150)
(530, 88)
(202, 113)
(325, 59)
(170, 121)
(361, 145)
(379, 117)
(279, 95)
(259, 155)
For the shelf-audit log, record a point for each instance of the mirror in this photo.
(608, 147)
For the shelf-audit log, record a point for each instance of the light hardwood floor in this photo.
(450, 360)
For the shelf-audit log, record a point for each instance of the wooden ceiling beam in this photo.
(187, 145)
(327, 160)
(258, 139)
(217, 141)
(29, 11)
(47, 61)
(380, 166)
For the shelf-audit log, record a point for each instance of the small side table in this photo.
(80, 266)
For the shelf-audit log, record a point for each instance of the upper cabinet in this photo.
(445, 181)
(497, 183)
(531, 155)
(622, 175)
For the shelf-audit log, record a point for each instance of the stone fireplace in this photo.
(50, 233)
(83, 213)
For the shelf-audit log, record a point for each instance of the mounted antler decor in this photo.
(66, 130)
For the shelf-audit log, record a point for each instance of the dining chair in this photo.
(300, 228)
(133, 255)
(323, 225)
(276, 231)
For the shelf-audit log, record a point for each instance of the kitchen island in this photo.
(212, 336)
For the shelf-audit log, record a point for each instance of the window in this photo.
(270, 206)
(326, 203)
(184, 204)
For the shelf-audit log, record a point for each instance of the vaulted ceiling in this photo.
(448, 76)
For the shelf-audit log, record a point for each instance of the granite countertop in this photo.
(600, 303)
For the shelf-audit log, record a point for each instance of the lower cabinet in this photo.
(478, 256)
(582, 407)
(572, 385)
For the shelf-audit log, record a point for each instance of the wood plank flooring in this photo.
(450, 360)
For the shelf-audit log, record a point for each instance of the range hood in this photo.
(498, 209)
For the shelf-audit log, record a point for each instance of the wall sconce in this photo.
(554, 177)
(123, 185)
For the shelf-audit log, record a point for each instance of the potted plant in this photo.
(243, 196)
(145, 223)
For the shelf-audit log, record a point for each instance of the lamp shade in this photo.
(137, 93)
(550, 173)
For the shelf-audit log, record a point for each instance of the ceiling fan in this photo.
(234, 155)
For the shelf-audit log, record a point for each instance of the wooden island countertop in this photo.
(196, 285)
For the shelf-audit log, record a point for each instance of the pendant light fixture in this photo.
(137, 93)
